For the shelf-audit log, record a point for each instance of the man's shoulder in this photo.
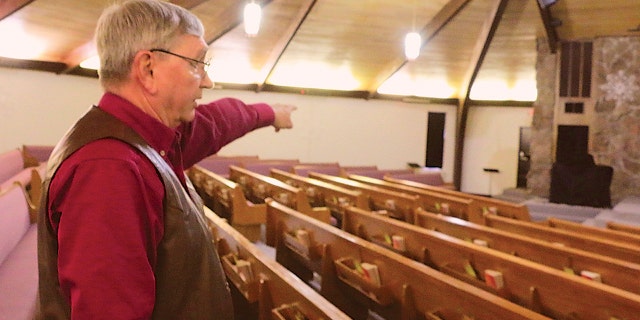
(107, 149)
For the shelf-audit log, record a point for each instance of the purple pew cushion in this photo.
(14, 220)
(11, 163)
(19, 279)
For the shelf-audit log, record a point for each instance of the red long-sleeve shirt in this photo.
(111, 202)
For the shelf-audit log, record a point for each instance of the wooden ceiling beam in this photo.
(188, 4)
(549, 25)
(55, 67)
(439, 21)
(283, 42)
(8, 7)
(477, 57)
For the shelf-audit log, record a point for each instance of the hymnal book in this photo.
(398, 243)
(591, 275)
(371, 272)
(481, 242)
(493, 278)
(243, 268)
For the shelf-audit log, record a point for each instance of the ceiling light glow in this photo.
(91, 63)
(405, 85)
(412, 44)
(252, 17)
(23, 45)
(324, 76)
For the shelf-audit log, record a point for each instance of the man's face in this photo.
(182, 79)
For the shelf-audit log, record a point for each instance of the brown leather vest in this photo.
(190, 283)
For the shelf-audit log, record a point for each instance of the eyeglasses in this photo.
(202, 66)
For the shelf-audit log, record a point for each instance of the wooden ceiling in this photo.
(349, 47)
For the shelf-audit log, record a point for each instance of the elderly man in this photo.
(121, 232)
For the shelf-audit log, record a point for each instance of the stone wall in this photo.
(542, 146)
(615, 122)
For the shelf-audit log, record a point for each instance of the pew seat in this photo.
(264, 167)
(220, 164)
(303, 169)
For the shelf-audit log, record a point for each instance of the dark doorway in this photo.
(524, 156)
(435, 139)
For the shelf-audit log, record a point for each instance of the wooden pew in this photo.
(432, 201)
(571, 239)
(220, 164)
(540, 288)
(227, 199)
(407, 290)
(601, 233)
(303, 169)
(631, 229)
(428, 177)
(482, 205)
(614, 272)
(398, 205)
(34, 155)
(30, 179)
(279, 294)
(264, 166)
(258, 187)
(323, 194)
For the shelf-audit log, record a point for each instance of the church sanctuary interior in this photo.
(450, 159)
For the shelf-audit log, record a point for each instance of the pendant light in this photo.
(252, 17)
(412, 41)
(412, 44)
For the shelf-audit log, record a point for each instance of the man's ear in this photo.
(142, 69)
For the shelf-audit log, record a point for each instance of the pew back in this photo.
(522, 279)
(572, 239)
(323, 194)
(631, 229)
(614, 272)
(482, 205)
(258, 188)
(227, 199)
(278, 292)
(407, 289)
(431, 200)
(601, 233)
(397, 204)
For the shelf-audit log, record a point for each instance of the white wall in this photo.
(492, 141)
(38, 107)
